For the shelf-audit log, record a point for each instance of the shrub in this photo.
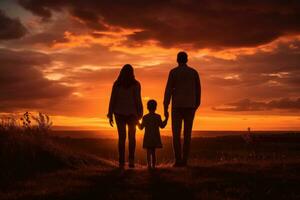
(27, 148)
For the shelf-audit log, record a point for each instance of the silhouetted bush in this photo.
(27, 148)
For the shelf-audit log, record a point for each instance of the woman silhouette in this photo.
(126, 105)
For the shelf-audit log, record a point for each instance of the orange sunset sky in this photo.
(61, 58)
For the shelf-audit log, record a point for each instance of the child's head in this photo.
(151, 105)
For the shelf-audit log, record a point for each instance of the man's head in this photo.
(182, 57)
(151, 105)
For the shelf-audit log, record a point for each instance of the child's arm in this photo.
(164, 123)
(141, 125)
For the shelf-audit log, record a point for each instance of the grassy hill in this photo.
(38, 165)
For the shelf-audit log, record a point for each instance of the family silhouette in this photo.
(183, 89)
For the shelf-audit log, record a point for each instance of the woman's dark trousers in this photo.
(122, 121)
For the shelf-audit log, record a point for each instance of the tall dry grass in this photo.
(28, 148)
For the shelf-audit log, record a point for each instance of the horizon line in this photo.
(168, 130)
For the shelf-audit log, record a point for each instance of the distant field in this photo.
(113, 134)
(265, 146)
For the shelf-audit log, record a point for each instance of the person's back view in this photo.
(183, 84)
(183, 87)
(126, 106)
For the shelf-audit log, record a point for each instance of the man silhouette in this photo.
(183, 87)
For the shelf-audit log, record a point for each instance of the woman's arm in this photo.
(111, 105)
(139, 102)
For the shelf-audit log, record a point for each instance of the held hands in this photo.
(166, 113)
(139, 125)
(111, 120)
(164, 123)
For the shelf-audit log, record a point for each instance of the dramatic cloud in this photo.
(72, 53)
(195, 23)
(261, 75)
(46, 35)
(250, 105)
(22, 84)
(10, 28)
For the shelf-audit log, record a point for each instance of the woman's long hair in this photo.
(126, 77)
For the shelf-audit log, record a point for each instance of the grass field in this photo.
(266, 166)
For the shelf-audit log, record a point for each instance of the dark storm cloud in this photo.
(49, 33)
(22, 84)
(91, 19)
(250, 105)
(42, 8)
(200, 23)
(10, 28)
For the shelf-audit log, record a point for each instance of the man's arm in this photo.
(163, 124)
(168, 92)
(198, 90)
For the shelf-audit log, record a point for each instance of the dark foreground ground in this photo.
(266, 167)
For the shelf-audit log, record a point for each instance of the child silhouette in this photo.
(152, 122)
